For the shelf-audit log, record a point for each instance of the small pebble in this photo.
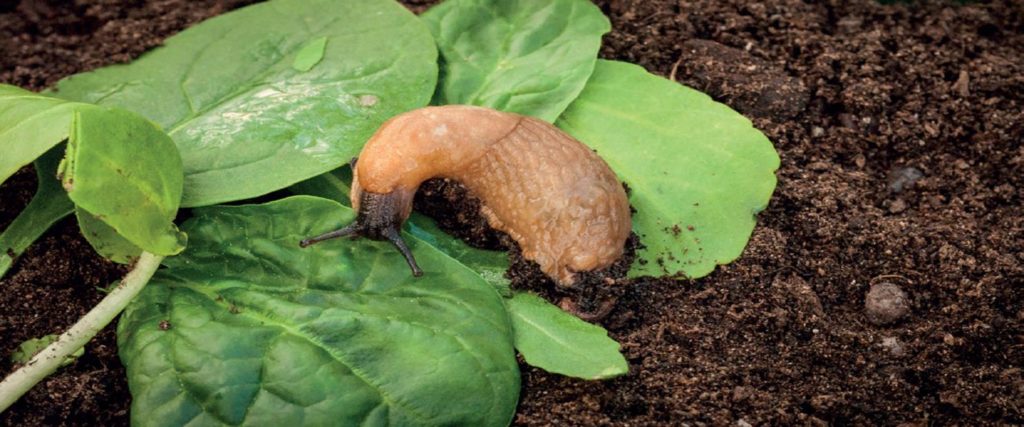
(894, 346)
(897, 206)
(885, 303)
(949, 339)
(903, 178)
(817, 131)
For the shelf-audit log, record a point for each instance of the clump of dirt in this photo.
(899, 128)
(885, 303)
(457, 212)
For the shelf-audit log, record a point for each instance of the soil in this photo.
(900, 129)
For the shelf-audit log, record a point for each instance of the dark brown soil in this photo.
(900, 129)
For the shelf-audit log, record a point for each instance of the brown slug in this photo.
(553, 195)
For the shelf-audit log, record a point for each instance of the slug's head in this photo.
(378, 217)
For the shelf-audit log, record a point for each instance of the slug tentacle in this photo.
(553, 195)
(353, 229)
(395, 237)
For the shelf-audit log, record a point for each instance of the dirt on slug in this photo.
(901, 133)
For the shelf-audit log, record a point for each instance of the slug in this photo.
(553, 195)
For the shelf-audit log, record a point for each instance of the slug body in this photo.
(554, 196)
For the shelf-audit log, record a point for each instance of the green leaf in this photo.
(30, 347)
(558, 342)
(105, 240)
(47, 206)
(699, 171)
(246, 122)
(330, 185)
(127, 173)
(246, 327)
(30, 125)
(520, 56)
(490, 265)
(310, 54)
(118, 166)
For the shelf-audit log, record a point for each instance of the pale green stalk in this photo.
(47, 361)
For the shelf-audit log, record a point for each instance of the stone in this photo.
(886, 303)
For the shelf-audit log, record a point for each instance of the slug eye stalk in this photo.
(380, 217)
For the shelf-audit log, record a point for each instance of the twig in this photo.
(47, 361)
(675, 67)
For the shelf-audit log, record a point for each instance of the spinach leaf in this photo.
(559, 342)
(30, 125)
(247, 122)
(699, 171)
(126, 173)
(105, 240)
(520, 56)
(118, 166)
(246, 327)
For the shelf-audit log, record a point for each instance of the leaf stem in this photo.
(48, 206)
(47, 361)
(42, 212)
